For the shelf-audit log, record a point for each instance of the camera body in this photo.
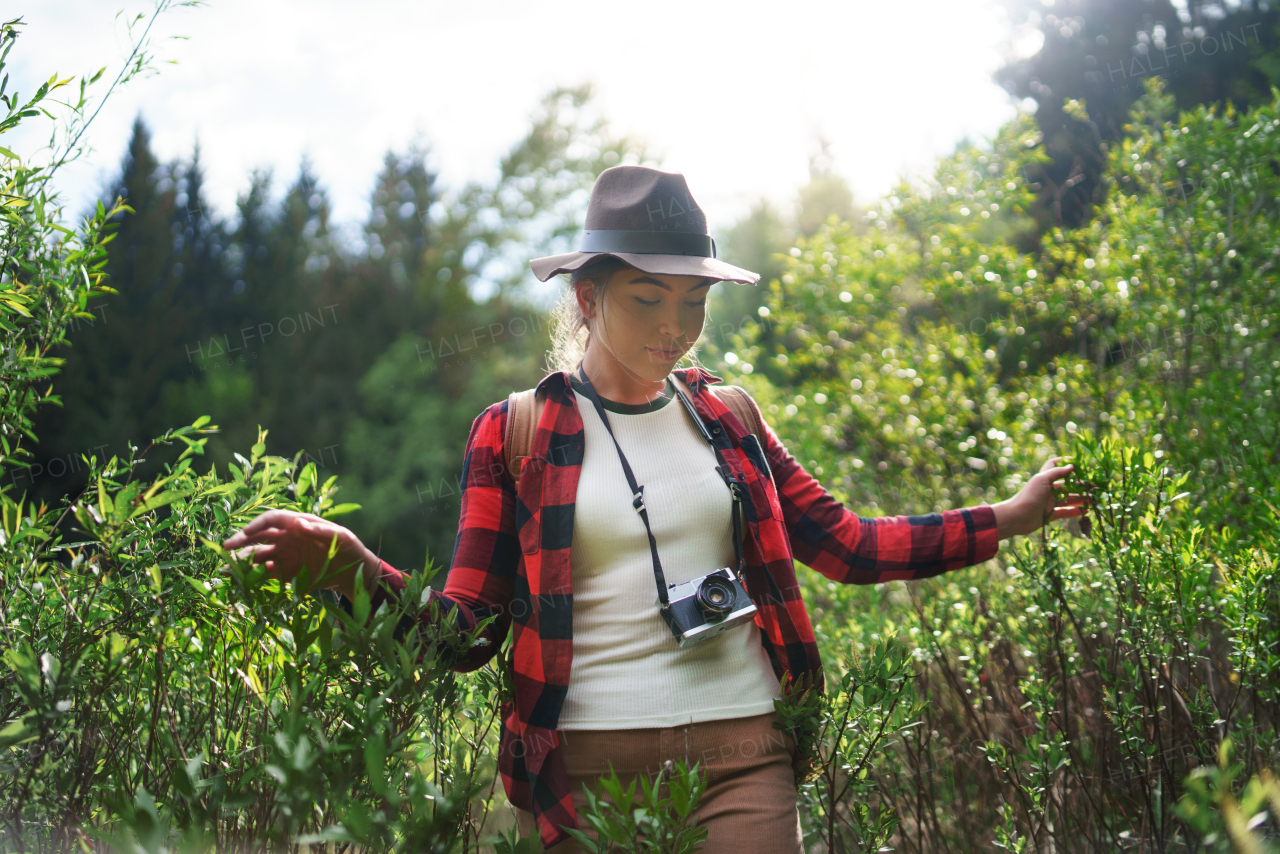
(706, 606)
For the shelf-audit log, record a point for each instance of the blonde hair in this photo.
(570, 332)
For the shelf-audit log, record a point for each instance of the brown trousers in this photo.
(749, 806)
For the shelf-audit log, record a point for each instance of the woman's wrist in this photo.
(1037, 502)
(366, 563)
(1009, 519)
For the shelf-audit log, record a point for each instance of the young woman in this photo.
(624, 495)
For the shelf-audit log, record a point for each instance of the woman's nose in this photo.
(673, 323)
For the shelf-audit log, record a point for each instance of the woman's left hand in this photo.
(1038, 502)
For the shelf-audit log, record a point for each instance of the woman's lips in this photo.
(665, 355)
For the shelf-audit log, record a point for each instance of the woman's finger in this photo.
(277, 519)
(1053, 479)
(256, 553)
(244, 536)
(1066, 512)
(265, 535)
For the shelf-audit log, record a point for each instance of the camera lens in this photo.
(716, 597)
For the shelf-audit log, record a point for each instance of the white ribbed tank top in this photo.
(628, 671)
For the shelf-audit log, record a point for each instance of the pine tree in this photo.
(124, 370)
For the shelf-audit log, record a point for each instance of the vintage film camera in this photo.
(707, 606)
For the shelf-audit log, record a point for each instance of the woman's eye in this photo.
(656, 301)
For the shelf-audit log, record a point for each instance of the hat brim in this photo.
(664, 265)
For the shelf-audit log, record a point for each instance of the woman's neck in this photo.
(613, 381)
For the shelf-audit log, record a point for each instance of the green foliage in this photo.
(1107, 684)
(1222, 822)
(846, 730)
(657, 819)
(48, 272)
(1067, 689)
(157, 695)
(160, 697)
(760, 240)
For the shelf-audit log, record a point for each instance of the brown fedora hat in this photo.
(648, 219)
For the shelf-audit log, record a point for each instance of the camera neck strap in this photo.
(637, 490)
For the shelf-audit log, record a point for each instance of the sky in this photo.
(733, 94)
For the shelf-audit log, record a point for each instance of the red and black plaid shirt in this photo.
(511, 559)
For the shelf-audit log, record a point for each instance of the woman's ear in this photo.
(585, 291)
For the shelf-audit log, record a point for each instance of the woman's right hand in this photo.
(285, 540)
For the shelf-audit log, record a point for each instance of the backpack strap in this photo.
(741, 405)
(523, 412)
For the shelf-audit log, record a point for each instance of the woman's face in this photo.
(646, 321)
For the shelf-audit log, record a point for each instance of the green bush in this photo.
(162, 701)
(656, 819)
(155, 697)
(1068, 688)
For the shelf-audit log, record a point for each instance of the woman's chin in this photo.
(654, 371)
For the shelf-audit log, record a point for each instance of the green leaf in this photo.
(19, 732)
(375, 762)
(159, 501)
(306, 479)
(339, 510)
(360, 607)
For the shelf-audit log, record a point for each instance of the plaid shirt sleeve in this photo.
(486, 552)
(828, 537)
